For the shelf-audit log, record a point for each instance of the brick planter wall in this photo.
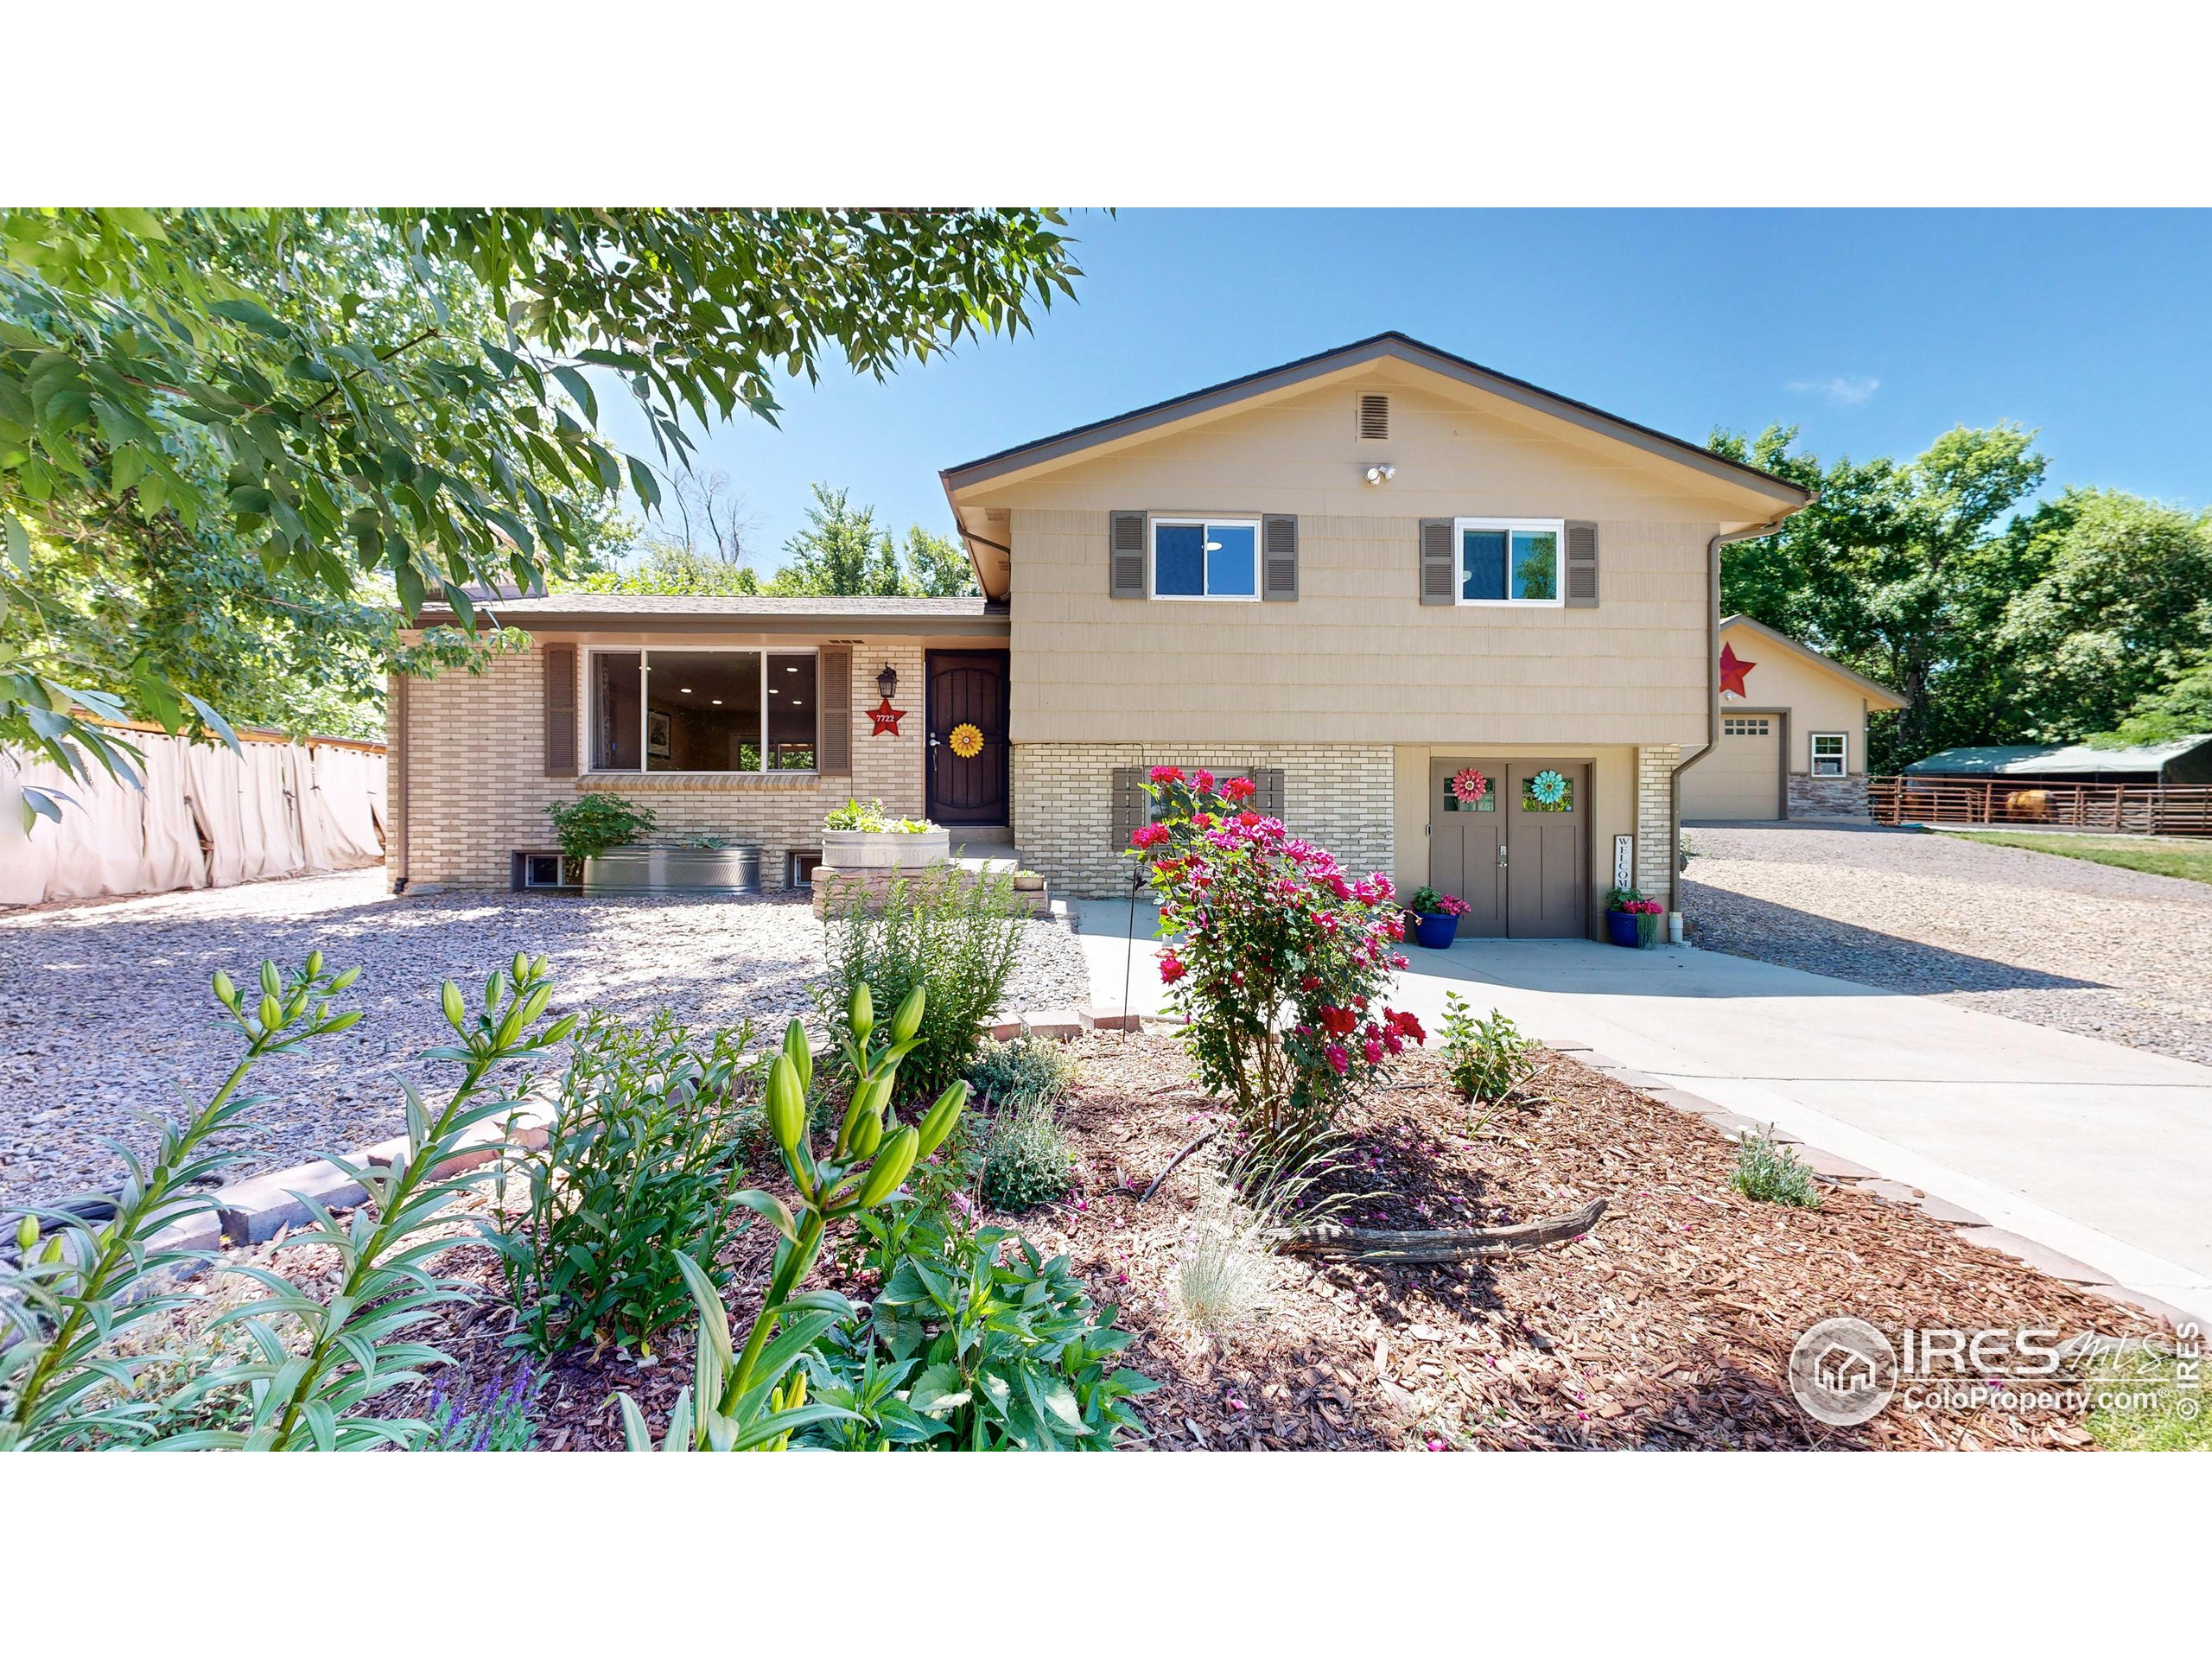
(1828, 797)
(1339, 795)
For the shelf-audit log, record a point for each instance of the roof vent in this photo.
(1374, 414)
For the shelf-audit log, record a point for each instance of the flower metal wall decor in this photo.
(1469, 786)
(967, 741)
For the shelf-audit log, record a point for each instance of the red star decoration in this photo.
(886, 719)
(1733, 669)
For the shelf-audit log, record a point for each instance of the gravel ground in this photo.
(105, 1011)
(2110, 953)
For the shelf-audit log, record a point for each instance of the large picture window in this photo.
(1508, 561)
(704, 710)
(1208, 558)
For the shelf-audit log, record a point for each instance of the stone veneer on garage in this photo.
(474, 767)
(1828, 797)
(1339, 795)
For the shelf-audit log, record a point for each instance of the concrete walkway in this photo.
(2098, 1152)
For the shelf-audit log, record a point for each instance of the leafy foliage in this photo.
(1486, 1059)
(953, 936)
(1025, 1159)
(309, 1366)
(594, 824)
(1028, 1068)
(1278, 964)
(324, 394)
(639, 1169)
(2182, 709)
(740, 1399)
(1012, 1356)
(1769, 1171)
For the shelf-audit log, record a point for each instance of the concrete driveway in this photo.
(2100, 1152)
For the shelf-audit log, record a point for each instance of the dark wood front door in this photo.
(1546, 811)
(1467, 845)
(967, 689)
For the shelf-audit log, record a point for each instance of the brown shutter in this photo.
(1266, 796)
(1132, 806)
(1436, 572)
(833, 699)
(1581, 565)
(1125, 556)
(1279, 542)
(560, 711)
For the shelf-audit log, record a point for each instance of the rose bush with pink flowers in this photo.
(1278, 964)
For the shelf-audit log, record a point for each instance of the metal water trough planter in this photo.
(674, 869)
(882, 850)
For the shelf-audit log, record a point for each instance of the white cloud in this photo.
(1839, 389)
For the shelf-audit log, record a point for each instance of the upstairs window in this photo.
(1830, 751)
(1205, 558)
(1508, 561)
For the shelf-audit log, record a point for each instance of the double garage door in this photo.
(1742, 778)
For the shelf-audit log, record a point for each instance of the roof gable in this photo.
(1062, 445)
(1880, 695)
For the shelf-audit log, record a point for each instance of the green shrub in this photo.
(1029, 1067)
(1771, 1173)
(79, 1296)
(852, 815)
(953, 937)
(740, 1399)
(1487, 1059)
(640, 1168)
(592, 825)
(1026, 1160)
(998, 1349)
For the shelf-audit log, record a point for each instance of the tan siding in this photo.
(1357, 658)
(1817, 700)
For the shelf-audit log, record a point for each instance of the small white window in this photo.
(1829, 752)
(1205, 558)
(1744, 726)
(1508, 561)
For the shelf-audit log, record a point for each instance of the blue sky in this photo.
(1874, 331)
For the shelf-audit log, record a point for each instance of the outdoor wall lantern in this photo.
(888, 682)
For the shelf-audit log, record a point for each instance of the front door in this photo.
(1466, 856)
(967, 711)
(1546, 812)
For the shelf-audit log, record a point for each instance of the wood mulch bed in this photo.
(1667, 1326)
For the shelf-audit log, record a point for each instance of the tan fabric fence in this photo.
(207, 817)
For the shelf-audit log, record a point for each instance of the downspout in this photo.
(1712, 709)
(398, 765)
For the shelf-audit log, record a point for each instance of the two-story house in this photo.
(1458, 627)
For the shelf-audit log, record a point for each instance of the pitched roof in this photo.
(1881, 693)
(2053, 759)
(763, 613)
(1392, 344)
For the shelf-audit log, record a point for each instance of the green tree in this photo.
(839, 550)
(300, 388)
(938, 565)
(1902, 572)
(2122, 610)
(2182, 709)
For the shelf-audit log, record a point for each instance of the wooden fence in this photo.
(2125, 809)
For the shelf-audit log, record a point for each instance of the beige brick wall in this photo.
(1655, 825)
(476, 790)
(1339, 795)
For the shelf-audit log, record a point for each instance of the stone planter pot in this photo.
(1029, 883)
(881, 849)
(674, 869)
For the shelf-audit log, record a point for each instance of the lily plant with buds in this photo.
(76, 1283)
(754, 1398)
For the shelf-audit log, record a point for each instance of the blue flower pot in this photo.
(1433, 932)
(1620, 928)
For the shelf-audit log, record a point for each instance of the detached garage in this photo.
(1793, 733)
